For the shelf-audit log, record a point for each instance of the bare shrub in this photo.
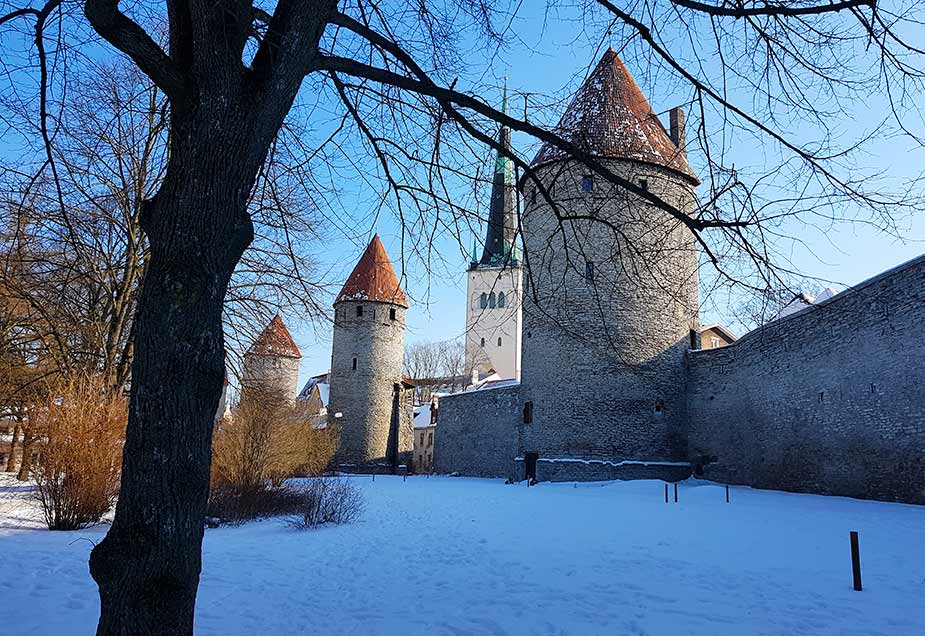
(328, 500)
(76, 474)
(264, 442)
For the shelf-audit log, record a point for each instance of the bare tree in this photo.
(392, 104)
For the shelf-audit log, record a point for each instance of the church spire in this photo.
(502, 213)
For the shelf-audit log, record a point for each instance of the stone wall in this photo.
(477, 432)
(610, 300)
(363, 396)
(828, 400)
(274, 375)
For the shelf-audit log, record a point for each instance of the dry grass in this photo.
(77, 473)
(266, 441)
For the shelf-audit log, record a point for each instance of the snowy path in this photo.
(471, 556)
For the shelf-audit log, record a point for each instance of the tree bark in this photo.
(147, 567)
(25, 462)
(11, 458)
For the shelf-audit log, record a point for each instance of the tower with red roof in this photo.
(369, 402)
(613, 283)
(271, 365)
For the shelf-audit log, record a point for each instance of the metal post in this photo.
(727, 493)
(666, 493)
(855, 561)
(374, 476)
(676, 492)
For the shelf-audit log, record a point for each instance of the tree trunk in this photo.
(25, 462)
(147, 567)
(11, 458)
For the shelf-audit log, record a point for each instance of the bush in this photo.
(76, 474)
(264, 442)
(328, 500)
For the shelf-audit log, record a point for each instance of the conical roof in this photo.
(502, 213)
(373, 278)
(275, 340)
(609, 117)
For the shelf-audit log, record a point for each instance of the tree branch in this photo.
(739, 10)
(124, 34)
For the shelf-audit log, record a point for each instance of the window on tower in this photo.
(483, 301)
(644, 184)
(528, 412)
(501, 299)
(533, 194)
(354, 364)
(499, 342)
(491, 300)
(589, 270)
(392, 313)
(587, 183)
(483, 342)
(359, 311)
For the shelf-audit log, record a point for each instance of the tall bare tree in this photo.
(392, 104)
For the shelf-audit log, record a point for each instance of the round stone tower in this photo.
(271, 365)
(368, 401)
(611, 288)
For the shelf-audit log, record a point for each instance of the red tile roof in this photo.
(275, 340)
(609, 117)
(373, 278)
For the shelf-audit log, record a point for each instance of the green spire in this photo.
(475, 254)
(503, 165)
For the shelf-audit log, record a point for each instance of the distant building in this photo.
(494, 280)
(802, 301)
(314, 397)
(425, 427)
(715, 335)
(271, 365)
(370, 401)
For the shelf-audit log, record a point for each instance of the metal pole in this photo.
(666, 493)
(856, 561)
(676, 492)
(727, 493)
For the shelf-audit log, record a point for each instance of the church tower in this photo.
(493, 305)
(369, 402)
(611, 305)
(271, 365)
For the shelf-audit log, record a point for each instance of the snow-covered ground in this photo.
(474, 556)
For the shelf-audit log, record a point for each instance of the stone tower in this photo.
(369, 402)
(271, 365)
(493, 299)
(615, 285)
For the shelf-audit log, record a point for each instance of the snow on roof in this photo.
(802, 301)
(275, 340)
(324, 392)
(609, 117)
(422, 416)
(373, 278)
(320, 381)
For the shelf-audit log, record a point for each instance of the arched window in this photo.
(483, 301)
(499, 342)
(501, 299)
(483, 342)
(491, 300)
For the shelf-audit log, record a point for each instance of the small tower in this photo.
(368, 399)
(493, 298)
(612, 299)
(271, 365)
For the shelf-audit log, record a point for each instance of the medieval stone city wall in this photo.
(363, 396)
(478, 432)
(276, 375)
(829, 400)
(604, 359)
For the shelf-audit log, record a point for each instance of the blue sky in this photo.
(551, 61)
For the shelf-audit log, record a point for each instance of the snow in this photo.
(422, 417)
(447, 555)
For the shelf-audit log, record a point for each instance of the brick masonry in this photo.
(829, 400)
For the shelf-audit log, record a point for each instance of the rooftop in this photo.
(609, 117)
(373, 278)
(275, 340)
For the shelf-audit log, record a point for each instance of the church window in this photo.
(499, 342)
(483, 301)
(589, 270)
(422, 438)
(483, 342)
(392, 313)
(587, 183)
(491, 300)
(430, 439)
(359, 311)
(528, 412)
(501, 299)
(355, 366)
(644, 184)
